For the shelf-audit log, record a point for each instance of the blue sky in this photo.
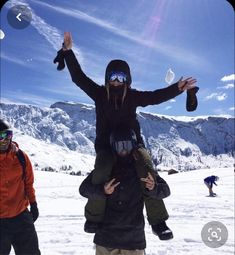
(192, 37)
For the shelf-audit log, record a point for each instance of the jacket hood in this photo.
(120, 66)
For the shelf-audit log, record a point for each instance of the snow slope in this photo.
(44, 154)
(60, 225)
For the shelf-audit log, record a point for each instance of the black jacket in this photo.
(210, 180)
(107, 115)
(123, 224)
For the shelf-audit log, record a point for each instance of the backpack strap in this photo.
(21, 158)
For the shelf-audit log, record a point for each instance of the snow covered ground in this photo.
(60, 225)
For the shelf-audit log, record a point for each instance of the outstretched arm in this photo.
(77, 75)
(144, 98)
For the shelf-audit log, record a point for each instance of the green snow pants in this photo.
(94, 209)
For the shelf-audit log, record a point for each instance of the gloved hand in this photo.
(60, 60)
(191, 102)
(34, 211)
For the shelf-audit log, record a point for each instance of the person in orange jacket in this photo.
(16, 194)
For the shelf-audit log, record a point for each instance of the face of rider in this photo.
(123, 153)
(116, 83)
(117, 79)
(123, 148)
(5, 140)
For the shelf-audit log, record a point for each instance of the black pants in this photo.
(20, 233)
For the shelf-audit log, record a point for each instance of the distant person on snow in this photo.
(116, 103)
(122, 228)
(209, 181)
(16, 193)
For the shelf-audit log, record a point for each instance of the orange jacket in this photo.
(15, 193)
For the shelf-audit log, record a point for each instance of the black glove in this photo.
(162, 188)
(60, 60)
(160, 191)
(34, 211)
(191, 102)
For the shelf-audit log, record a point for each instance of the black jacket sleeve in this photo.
(79, 77)
(161, 189)
(91, 191)
(144, 98)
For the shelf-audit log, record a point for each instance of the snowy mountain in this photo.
(181, 143)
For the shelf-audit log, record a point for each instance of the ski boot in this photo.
(162, 231)
(91, 227)
(213, 194)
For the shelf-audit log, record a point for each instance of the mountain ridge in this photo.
(185, 143)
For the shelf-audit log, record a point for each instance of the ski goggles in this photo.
(123, 147)
(7, 134)
(119, 76)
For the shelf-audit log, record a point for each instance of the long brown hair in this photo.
(123, 95)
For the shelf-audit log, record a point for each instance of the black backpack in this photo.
(21, 158)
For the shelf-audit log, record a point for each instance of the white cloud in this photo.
(172, 101)
(164, 48)
(30, 63)
(211, 96)
(168, 107)
(13, 59)
(221, 97)
(219, 111)
(28, 98)
(217, 96)
(227, 86)
(7, 101)
(230, 77)
(232, 108)
(53, 35)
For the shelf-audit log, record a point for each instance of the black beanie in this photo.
(123, 133)
(4, 125)
(120, 66)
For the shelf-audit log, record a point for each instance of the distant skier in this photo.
(209, 181)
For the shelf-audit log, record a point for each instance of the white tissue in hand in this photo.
(170, 76)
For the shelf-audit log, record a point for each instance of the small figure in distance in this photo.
(209, 181)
